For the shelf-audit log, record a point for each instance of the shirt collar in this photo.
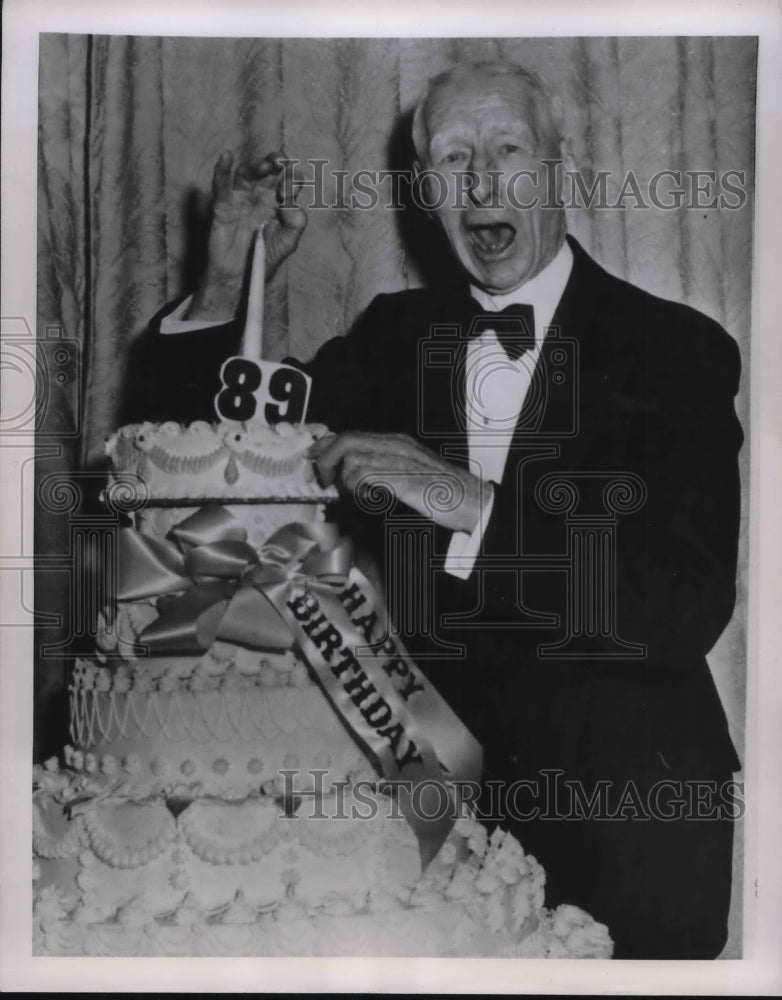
(542, 292)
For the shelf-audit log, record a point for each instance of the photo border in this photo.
(760, 971)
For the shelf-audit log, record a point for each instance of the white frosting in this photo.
(170, 829)
(150, 885)
(224, 740)
(229, 460)
(439, 933)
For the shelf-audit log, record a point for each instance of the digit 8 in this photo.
(241, 378)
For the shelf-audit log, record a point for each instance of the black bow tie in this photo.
(514, 326)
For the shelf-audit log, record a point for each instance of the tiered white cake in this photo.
(214, 803)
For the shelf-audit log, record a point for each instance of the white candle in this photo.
(252, 338)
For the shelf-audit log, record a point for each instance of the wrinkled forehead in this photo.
(468, 98)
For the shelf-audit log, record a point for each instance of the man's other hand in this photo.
(244, 199)
(364, 464)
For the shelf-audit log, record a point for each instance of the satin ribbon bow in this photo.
(211, 584)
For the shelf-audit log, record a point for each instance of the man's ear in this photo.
(566, 151)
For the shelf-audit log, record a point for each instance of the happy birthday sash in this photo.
(301, 589)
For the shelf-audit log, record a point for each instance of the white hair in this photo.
(546, 104)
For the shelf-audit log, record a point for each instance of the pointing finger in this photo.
(222, 179)
(328, 453)
(320, 445)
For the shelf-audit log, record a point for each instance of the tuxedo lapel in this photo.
(442, 362)
(572, 374)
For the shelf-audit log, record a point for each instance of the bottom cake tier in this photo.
(217, 806)
(254, 877)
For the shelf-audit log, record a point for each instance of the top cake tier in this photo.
(229, 461)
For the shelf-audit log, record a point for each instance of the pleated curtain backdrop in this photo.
(130, 129)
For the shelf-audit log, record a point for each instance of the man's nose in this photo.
(485, 176)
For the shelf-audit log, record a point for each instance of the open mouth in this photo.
(492, 239)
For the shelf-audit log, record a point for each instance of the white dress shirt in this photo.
(495, 388)
(495, 391)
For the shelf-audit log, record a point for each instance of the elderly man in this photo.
(578, 659)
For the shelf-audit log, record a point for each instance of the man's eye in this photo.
(509, 148)
(457, 156)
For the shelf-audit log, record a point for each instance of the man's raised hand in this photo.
(361, 463)
(244, 200)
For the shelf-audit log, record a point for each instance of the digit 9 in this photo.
(287, 386)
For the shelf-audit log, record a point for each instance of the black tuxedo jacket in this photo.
(624, 458)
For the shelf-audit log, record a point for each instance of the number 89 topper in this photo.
(252, 389)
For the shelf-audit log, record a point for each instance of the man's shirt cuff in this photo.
(464, 546)
(173, 323)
